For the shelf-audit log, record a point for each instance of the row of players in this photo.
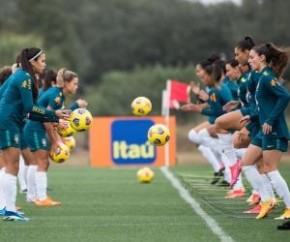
(247, 133)
(28, 122)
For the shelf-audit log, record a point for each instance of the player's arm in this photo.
(215, 108)
(30, 107)
(80, 103)
(42, 118)
(283, 99)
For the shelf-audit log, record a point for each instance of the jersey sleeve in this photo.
(25, 89)
(215, 106)
(42, 118)
(55, 101)
(283, 98)
(74, 106)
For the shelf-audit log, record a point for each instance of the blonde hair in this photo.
(64, 75)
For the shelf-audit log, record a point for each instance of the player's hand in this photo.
(203, 95)
(194, 87)
(63, 114)
(62, 125)
(191, 107)
(82, 103)
(245, 120)
(54, 145)
(267, 128)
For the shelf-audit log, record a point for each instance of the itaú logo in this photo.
(129, 143)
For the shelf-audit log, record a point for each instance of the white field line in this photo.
(211, 223)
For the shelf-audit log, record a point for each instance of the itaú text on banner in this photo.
(122, 141)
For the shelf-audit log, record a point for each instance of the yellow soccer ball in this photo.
(70, 142)
(81, 119)
(60, 154)
(145, 175)
(141, 106)
(158, 135)
(66, 132)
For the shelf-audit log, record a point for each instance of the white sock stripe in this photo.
(211, 223)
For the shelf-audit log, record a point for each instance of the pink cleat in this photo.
(255, 210)
(235, 173)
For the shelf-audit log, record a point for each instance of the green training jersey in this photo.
(218, 97)
(17, 101)
(272, 98)
(52, 98)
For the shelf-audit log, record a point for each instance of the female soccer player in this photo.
(272, 98)
(47, 80)
(193, 133)
(218, 96)
(35, 132)
(16, 104)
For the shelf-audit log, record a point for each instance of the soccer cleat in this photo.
(224, 184)
(14, 216)
(266, 208)
(47, 202)
(235, 173)
(217, 176)
(234, 193)
(255, 210)
(285, 215)
(254, 199)
(2, 211)
(284, 226)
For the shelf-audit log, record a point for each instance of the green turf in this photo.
(228, 212)
(107, 205)
(110, 205)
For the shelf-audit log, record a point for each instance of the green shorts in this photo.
(245, 111)
(36, 140)
(9, 138)
(267, 142)
(23, 144)
(253, 128)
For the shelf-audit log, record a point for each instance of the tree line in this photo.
(101, 39)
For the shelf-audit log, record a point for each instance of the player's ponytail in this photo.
(279, 59)
(245, 44)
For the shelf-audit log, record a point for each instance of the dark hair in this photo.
(18, 60)
(216, 58)
(214, 70)
(27, 55)
(246, 44)
(49, 77)
(5, 72)
(233, 63)
(275, 57)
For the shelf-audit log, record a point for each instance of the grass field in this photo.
(110, 205)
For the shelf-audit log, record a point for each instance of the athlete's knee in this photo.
(240, 140)
(219, 123)
(193, 136)
(204, 136)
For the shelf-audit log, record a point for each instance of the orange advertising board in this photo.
(122, 141)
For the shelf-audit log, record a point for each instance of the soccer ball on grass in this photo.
(145, 175)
